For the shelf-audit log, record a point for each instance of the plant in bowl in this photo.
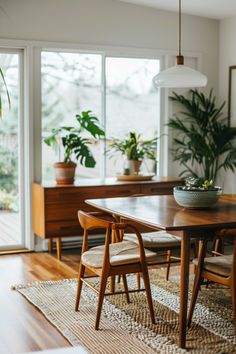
(134, 149)
(75, 145)
(197, 193)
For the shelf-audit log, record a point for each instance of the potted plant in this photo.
(134, 149)
(75, 145)
(197, 193)
(204, 143)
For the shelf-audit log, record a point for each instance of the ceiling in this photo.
(217, 9)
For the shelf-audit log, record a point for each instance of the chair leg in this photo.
(126, 288)
(148, 292)
(100, 299)
(233, 287)
(168, 258)
(112, 284)
(79, 287)
(197, 279)
(138, 278)
(196, 287)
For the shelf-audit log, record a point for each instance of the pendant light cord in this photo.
(180, 58)
(180, 27)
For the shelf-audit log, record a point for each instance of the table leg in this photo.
(184, 282)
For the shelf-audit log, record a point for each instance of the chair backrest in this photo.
(91, 221)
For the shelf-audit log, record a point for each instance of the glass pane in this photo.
(71, 83)
(132, 103)
(10, 226)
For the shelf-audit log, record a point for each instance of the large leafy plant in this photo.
(133, 147)
(204, 143)
(75, 144)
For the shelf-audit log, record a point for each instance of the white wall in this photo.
(112, 23)
(227, 57)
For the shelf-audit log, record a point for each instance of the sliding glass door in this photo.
(11, 152)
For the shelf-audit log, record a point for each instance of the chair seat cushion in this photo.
(156, 239)
(220, 265)
(124, 252)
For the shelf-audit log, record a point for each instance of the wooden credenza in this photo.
(55, 207)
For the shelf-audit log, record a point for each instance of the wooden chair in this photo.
(167, 246)
(219, 269)
(225, 236)
(119, 258)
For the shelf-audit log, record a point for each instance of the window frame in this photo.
(111, 53)
(23, 180)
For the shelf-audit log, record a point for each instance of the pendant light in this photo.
(179, 75)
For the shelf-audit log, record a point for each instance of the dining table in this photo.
(163, 213)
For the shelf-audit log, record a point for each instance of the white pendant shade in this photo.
(179, 76)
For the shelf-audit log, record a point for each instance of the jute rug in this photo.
(126, 328)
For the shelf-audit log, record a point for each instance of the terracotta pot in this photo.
(65, 172)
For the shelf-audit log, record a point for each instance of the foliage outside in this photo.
(4, 88)
(74, 144)
(133, 147)
(204, 142)
(8, 180)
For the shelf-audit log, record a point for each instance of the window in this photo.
(11, 153)
(132, 103)
(73, 82)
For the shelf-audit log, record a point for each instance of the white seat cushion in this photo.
(124, 252)
(221, 265)
(156, 239)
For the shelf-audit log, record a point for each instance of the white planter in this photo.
(196, 199)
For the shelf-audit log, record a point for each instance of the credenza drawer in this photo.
(63, 228)
(70, 195)
(161, 189)
(65, 211)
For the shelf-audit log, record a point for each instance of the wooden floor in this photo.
(9, 228)
(22, 327)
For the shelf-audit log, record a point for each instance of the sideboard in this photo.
(55, 207)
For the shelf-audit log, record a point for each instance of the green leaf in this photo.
(90, 123)
(203, 141)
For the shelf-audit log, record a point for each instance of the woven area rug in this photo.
(126, 328)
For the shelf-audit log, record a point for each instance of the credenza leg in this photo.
(50, 242)
(59, 248)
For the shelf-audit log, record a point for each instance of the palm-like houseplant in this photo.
(75, 144)
(134, 149)
(205, 143)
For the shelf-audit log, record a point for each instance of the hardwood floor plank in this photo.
(22, 327)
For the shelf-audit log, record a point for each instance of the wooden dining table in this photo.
(162, 212)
